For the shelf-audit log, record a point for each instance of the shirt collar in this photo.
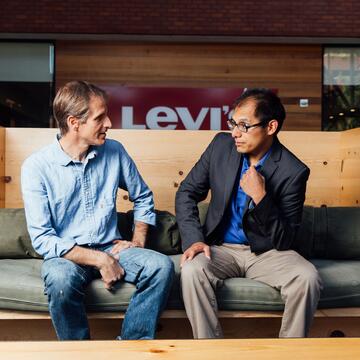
(261, 161)
(62, 158)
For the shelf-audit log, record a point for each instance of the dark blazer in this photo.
(272, 223)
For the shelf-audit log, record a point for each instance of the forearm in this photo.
(268, 225)
(190, 230)
(83, 256)
(193, 190)
(187, 215)
(280, 229)
(140, 234)
(108, 265)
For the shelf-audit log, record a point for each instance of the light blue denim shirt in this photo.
(70, 203)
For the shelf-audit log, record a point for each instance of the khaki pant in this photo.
(296, 278)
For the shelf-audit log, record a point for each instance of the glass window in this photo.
(341, 89)
(26, 84)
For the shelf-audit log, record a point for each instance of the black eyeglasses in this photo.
(232, 124)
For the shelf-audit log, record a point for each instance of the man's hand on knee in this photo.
(193, 250)
(120, 245)
(110, 270)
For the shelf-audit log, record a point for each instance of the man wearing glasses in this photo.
(257, 196)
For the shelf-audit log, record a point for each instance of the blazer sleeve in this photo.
(274, 224)
(192, 190)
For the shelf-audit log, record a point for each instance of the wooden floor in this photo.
(259, 349)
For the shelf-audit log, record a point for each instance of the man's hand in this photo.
(193, 250)
(107, 264)
(120, 245)
(110, 270)
(253, 184)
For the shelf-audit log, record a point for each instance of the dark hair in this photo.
(268, 105)
(73, 99)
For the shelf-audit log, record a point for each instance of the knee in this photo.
(62, 279)
(192, 271)
(309, 280)
(166, 267)
(162, 266)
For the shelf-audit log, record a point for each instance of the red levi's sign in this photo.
(170, 108)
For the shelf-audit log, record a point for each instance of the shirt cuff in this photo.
(62, 247)
(147, 217)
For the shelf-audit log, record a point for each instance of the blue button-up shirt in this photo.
(233, 229)
(70, 203)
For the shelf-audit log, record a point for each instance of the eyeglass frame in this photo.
(232, 124)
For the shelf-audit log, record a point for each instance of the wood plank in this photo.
(170, 155)
(350, 189)
(350, 142)
(107, 328)
(2, 167)
(308, 145)
(160, 167)
(352, 312)
(259, 349)
(269, 327)
(350, 168)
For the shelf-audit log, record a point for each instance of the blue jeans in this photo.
(65, 284)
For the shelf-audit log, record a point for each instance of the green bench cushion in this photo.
(14, 238)
(21, 288)
(341, 282)
(15, 241)
(327, 233)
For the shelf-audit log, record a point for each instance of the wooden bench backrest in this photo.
(165, 157)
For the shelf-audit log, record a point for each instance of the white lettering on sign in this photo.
(166, 118)
(215, 118)
(127, 115)
(161, 114)
(188, 120)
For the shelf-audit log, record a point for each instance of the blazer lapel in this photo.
(270, 164)
(231, 174)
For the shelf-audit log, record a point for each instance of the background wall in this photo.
(338, 18)
(295, 70)
(164, 158)
(2, 167)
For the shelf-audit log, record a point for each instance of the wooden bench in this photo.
(164, 158)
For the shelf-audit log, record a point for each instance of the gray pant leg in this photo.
(199, 279)
(299, 284)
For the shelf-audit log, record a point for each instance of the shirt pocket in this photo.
(106, 209)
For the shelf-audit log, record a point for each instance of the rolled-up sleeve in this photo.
(44, 238)
(139, 192)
